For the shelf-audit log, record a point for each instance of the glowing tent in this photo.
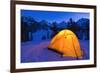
(66, 43)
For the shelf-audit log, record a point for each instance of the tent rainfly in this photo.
(66, 42)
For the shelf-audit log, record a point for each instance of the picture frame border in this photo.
(13, 35)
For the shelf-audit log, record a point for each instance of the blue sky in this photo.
(52, 16)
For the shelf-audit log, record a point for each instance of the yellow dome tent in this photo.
(66, 43)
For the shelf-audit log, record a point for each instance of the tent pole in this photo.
(74, 49)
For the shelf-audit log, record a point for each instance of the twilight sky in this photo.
(52, 16)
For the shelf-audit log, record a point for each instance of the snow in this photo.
(38, 52)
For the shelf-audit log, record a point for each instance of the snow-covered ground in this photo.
(38, 52)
